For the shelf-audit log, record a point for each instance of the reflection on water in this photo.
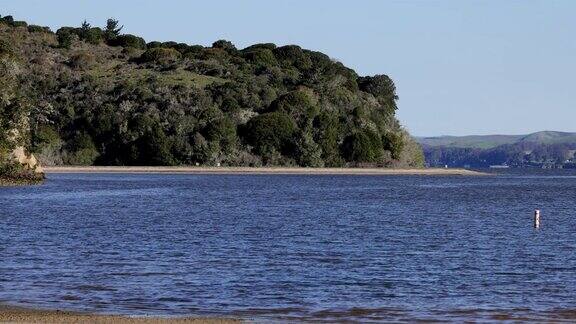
(325, 248)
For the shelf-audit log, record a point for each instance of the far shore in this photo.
(12, 314)
(260, 170)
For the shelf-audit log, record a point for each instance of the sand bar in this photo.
(11, 314)
(248, 170)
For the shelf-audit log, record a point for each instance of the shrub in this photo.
(261, 57)
(153, 44)
(270, 132)
(225, 45)
(82, 60)
(381, 87)
(19, 24)
(222, 130)
(6, 49)
(269, 46)
(193, 51)
(154, 148)
(394, 143)
(362, 146)
(7, 20)
(217, 54)
(327, 135)
(94, 36)
(160, 55)
(181, 47)
(299, 104)
(128, 40)
(65, 37)
(82, 150)
(169, 44)
(293, 55)
(38, 29)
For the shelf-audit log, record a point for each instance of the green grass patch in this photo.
(116, 72)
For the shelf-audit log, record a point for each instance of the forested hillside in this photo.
(542, 149)
(95, 96)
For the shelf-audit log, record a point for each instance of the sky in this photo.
(460, 67)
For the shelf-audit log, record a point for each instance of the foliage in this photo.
(81, 150)
(38, 29)
(170, 103)
(271, 132)
(225, 45)
(381, 87)
(82, 60)
(394, 143)
(160, 55)
(112, 30)
(128, 41)
(64, 37)
(260, 57)
(362, 146)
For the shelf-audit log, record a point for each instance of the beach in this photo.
(261, 170)
(12, 314)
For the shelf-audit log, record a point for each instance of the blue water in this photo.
(318, 248)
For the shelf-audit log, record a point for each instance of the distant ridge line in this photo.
(491, 141)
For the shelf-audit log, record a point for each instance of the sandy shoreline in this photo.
(248, 170)
(12, 314)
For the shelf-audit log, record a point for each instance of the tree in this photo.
(112, 30)
(84, 29)
(223, 131)
(94, 36)
(261, 57)
(225, 45)
(160, 55)
(394, 143)
(128, 41)
(270, 132)
(82, 150)
(82, 60)
(293, 55)
(300, 104)
(362, 146)
(327, 130)
(154, 148)
(382, 87)
(64, 36)
(309, 153)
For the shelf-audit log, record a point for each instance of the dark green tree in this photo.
(112, 30)
(382, 87)
(64, 36)
(225, 45)
(271, 132)
(362, 146)
(394, 143)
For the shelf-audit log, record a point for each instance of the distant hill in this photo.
(491, 141)
(472, 141)
(541, 149)
(550, 137)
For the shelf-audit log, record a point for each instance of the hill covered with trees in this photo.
(95, 96)
(546, 149)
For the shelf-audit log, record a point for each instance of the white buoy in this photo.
(537, 218)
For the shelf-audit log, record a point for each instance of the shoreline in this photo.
(261, 170)
(15, 314)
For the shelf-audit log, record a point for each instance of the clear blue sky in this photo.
(461, 67)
